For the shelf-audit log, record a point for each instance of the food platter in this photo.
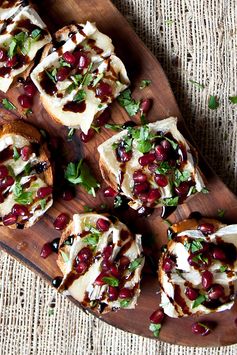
(26, 245)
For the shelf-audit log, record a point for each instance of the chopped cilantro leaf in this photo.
(27, 168)
(155, 329)
(52, 75)
(164, 168)
(181, 176)
(111, 280)
(16, 155)
(17, 189)
(223, 268)
(64, 256)
(8, 105)
(233, 99)
(70, 134)
(205, 190)
(35, 34)
(198, 85)
(144, 83)
(213, 103)
(199, 300)
(43, 203)
(80, 96)
(25, 198)
(63, 63)
(92, 239)
(143, 119)
(87, 209)
(12, 48)
(126, 101)
(97, 79)
(135, 264)
(114, 127)
(171, 201)
(194, 246)
(118, 201)
(220, 213)
(125, 303)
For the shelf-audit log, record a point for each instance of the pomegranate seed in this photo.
(99, 280)
(87, 137)
(102, 119)
(19, 210)
(165, 144)
(207, 279)
(25, 101)
(68, 194)
(25, 153)
(138, 188)
(103, 89)
(81, 268)
(107, 252)
(3, 171)
(143, 196)
(168, 264)
(200, 328)
(55, 244)
(106, 265)
(153, 196)
(124, 262)
(30, 89)
(63, 73)
(125, 293)
(152, 167)
(6, 182)
(56, 282)
(161, 180)
(46, 250)
(139, 176)
(44, 191)
(203, 262)
(206, 228)
(69, 58)
(161, 153)
(146, 159)
(11, 62)
(84, 255)
(109, 192)
(216, 292)
(9, 219)
(158, 316)
(3, 55)
(191, 293)
(113, 293)
(103, 225)
(114, 271)
(182, 189)
(145, 105)
(218, 254)
(122, 155)
(83, 60)
(61, 221)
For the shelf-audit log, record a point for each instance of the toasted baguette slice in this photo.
(95, 77)
(21, 39)
(198, 249)
(120, 158)
(26, 173)
(92, 261)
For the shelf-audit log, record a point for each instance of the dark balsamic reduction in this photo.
(29, 26)
(5, 71)
(91, 43)
(47, 84)
(77, 107)
(167, 210)
(6, 154)
(180, 300)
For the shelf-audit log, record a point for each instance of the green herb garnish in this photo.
(198, 85)
(125, 303)
(223, 268)
(63, 63)
(43, 203)
(220, 213)
(97, 79)
(64, 256)
(213, 103)
(169, 22)
(71, 133)
(135, 264)
(52, 75)
(118, 201)
(205, 190)
(199, 300)
(128, 103)
(114, 127)
(88, 209)
(233, 99)
(164, 168)
(155, 329)
(92, 239)
(181, 176)
(8, 105)
(111, 281)
(35, 34)
(16, 155)
(27, 168)
(171, 201)
(144, 83)
(194, 246)
(80, 96)
(26, 198)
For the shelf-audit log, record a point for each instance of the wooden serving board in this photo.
(141, 64)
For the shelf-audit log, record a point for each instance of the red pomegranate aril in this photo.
(191, 293)
(206, 228)
(25, 153)
(84, 255)
(103, 89)
(158, 316)
(143, 196)
(9, 219)
(165, 144)
(125, 293)
(63, 73)
(87, 137)
(200, 328)
(122, 155)
(109, 192)
(218, 254)
(20, 210)
(182, 189)
(99, 280)
(138, 188)
(153, 196)
(6, 182)
(61, 221)
(102, 119)
(106, 265)
(114, 271)
(207, 279)
(3, 171)
(3, 55)
(139, 176)
(107, 252)
(146, 159)
(25, 101)
(145, 105)
(81, 268)
(46, 250)
(113, 293)
(30, 89)
(44, 191)
(124, 262)
(168, 264)
(69, 58)
(68, 195)
(11, 62)
(161, 153)
(152, 167)
(83, 61)
(103, 225)
(216, 292)
(161, 180)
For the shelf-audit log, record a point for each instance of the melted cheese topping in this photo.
(106, 65)
(187, 273)
(108, 156)
(83, 286)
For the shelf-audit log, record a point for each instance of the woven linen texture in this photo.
(193, 40)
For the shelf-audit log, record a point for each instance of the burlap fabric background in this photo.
(193, 40)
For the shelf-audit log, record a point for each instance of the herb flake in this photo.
(199, 300)
(144, 83)
(111, 281)
(8, 105)
(135, 264)
(213, 103)
(128, 103)
(155, 329)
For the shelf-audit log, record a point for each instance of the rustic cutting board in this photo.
(141, 64)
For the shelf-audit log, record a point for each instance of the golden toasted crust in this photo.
(107, 176)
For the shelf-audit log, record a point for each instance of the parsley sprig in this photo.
(126, 101)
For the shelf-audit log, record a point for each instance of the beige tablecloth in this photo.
(193, 40)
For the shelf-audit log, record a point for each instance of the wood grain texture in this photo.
(141, 64)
